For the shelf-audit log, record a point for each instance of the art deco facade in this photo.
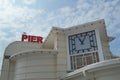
(77, 53)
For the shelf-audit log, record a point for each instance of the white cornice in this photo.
(34, 51)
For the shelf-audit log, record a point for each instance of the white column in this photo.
(100, 50)
(5, 70)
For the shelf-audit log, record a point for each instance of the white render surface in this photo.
(36, 66)
(104, 70)
(51, 60)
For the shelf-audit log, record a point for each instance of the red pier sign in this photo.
(31, 38)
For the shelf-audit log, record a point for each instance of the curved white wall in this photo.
(35, 66)
(18, 46)
(105, 70)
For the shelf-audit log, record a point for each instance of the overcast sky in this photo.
(36, 17)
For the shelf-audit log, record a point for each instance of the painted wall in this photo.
(105, 70)
(36, 66)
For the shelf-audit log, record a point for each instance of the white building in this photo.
(76, 53)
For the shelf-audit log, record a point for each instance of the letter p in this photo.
(24, 37)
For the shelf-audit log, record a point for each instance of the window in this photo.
(83, 49)
(79, 61)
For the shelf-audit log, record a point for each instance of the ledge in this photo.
(34, 51)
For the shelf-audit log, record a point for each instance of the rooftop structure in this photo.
(77, 53)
